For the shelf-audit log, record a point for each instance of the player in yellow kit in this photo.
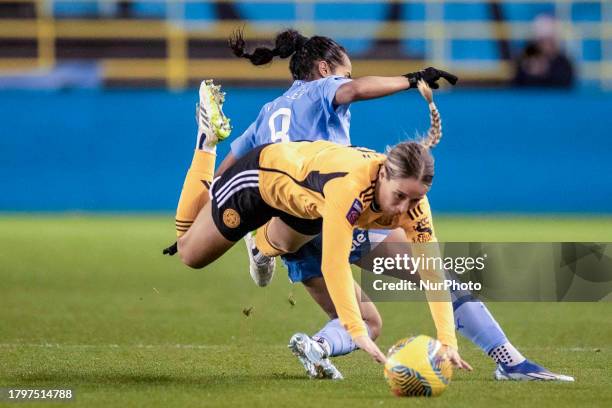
(297, 190)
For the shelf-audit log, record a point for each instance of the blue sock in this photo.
(474, 321)
(339, 341)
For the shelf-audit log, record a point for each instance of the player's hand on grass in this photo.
(431, 75)
(366, 344)
(454, 357)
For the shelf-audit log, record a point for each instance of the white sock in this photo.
(324, 345)
(201, 144)
(506, 354)
(209, 149)
(259, 257)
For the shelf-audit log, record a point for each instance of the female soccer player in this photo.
(316, 107)
(300, 189)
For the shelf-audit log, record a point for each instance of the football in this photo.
(415, 368)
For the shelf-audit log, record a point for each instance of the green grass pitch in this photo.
(89, 303)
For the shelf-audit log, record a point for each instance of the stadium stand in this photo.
(175, 43)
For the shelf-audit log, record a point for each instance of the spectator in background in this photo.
(542, 62)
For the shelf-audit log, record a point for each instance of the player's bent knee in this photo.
(279, 246)
(188, 254)
(191, 261)
(267, 246)
(284, 247)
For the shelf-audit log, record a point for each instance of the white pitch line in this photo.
(211, 346)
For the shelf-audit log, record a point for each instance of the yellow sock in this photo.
(195, 190)
(263, 243)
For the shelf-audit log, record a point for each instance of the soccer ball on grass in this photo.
(416, 368)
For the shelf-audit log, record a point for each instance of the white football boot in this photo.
(213, 125)
(313, 357)
(261, 267)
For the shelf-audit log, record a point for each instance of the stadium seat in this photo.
(75, 9)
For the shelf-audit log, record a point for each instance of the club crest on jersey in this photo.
(231, 218)
(354, 212)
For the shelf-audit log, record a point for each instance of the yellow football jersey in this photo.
(325, 180)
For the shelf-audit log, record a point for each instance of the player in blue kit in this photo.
(316, 107)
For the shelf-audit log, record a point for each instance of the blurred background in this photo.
(97, 96)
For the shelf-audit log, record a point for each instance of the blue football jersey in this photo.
(305, 111)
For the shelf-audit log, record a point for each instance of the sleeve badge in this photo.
(354, 212)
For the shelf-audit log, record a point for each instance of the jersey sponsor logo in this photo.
(231, 218)
(354, 212)
(415, 212)
(422, 238)
(423, 227)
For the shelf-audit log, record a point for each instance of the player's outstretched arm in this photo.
(366, 344)
(337, 236)
(371, 87)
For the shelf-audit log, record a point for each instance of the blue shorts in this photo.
(305, 264)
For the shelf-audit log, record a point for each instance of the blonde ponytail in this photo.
(434, 134)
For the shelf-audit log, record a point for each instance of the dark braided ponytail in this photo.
(304, 52)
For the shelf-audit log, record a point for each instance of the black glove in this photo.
(171, 250)
(430, 75)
